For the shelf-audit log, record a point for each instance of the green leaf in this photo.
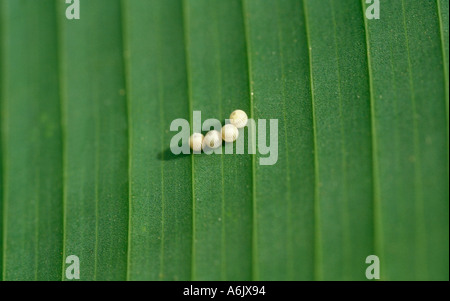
(95, 127)
(32, 142)
(221, 184)
(409, 93)
(160, 222)
(362, 163)
(443, 10)
(284, 192)
(2, 143)
(342, 132)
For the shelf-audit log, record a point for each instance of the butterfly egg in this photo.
(239, 118)
(230, 133)
(212, 140)
(196, 142)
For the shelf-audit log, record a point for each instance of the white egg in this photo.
(230, 133)
(196, 142)
(212, 140)
(239, 118)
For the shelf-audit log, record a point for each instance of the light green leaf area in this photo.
(359, 108)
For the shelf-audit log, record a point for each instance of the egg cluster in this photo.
(213, 139)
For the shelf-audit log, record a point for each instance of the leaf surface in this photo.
(356, 163)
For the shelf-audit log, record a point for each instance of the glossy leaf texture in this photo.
(356, 162)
